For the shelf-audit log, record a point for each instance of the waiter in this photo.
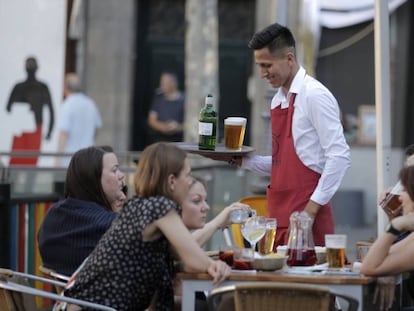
(309, 153)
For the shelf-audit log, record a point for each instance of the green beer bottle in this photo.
(207, 126)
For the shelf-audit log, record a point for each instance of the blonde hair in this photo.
(157, 162)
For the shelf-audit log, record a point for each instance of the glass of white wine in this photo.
(253, 230)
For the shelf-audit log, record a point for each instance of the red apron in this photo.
(291, 182)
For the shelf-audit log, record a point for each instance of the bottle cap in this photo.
(209, 99)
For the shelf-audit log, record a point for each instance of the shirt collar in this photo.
(282, 98)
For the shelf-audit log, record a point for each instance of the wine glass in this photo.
(253, 230)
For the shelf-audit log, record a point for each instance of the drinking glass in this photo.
(253, 230)
(335, 250)
(266, 243)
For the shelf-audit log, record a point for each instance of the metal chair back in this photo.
(16, 291)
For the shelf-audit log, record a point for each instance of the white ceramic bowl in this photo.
(269, 263)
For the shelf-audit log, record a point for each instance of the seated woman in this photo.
(133, 262)
(195, 209)
(386, 257)
(94, 193)
(194, 214)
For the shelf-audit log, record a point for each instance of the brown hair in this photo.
(157, 162)
(407, 180)
(83, 177)
(201, 180)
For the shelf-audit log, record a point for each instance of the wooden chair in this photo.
(259, 204)
(273, 296)
(18, 294)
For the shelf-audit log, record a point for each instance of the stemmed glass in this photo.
(253, 230)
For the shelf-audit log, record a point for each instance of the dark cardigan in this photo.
(70, 231)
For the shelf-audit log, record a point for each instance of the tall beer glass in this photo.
(234, 129)
(267, 242)
(335, 250)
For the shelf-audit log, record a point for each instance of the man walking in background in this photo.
(79, 120)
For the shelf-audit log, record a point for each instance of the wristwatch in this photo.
(391, 229)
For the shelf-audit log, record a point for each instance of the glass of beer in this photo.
(265, 245)
(234, 129)
(391, 203)
(335, 250)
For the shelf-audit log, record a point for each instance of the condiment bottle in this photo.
(207, 126)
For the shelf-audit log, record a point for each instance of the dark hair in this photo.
(157, 162)
(275, 37)
(407, 180)
(409, 150)
(83, 177)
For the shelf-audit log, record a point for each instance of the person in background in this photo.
(386, 258)
(94, 193)
(132, 265)
(309, 153)
(166, 114)
(79, 120)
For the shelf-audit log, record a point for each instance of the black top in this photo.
(70, 231)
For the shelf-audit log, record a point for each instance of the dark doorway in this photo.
(160, 47)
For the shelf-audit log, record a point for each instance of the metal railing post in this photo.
(4, 224)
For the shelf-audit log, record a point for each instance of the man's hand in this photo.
(230, 159)
(312, 209)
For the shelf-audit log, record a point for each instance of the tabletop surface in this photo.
(282, 276)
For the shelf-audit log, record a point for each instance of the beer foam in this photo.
(235, 121)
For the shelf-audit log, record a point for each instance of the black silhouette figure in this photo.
(36, 94)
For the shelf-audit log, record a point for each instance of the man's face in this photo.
(167, 84)
(276, 69)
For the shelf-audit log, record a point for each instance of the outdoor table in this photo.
(351, 285)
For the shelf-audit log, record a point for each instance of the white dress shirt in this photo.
(317, 135)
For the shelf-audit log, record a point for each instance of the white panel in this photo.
(30, 28)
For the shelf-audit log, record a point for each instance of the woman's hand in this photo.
(219, 270)
(385, 292)
(223, 218)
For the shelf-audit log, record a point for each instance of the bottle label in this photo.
(205, 129)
